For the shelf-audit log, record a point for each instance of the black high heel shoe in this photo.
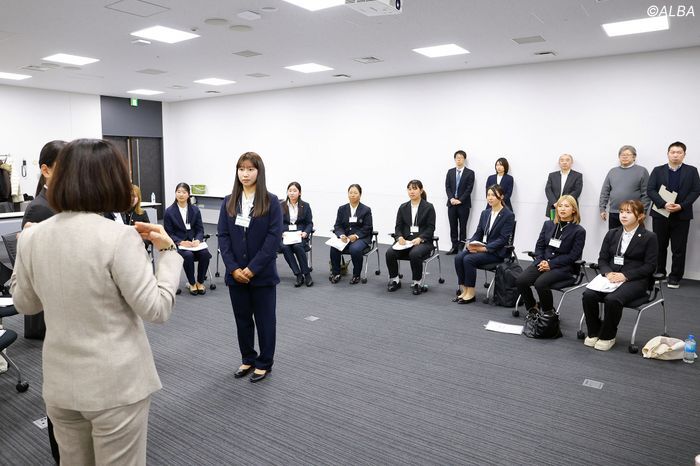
(258, 377)
(243, 372)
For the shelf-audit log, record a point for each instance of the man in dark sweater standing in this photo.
(671, 220)
(623, 183)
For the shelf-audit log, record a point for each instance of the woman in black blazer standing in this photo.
(503, 179)
(486, 246)
(298, 220)
(353, 225)
(183, 223)
(558, 247)
(415, 223)
(250, 228)
(628, 256)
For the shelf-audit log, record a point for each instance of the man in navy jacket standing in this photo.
(459, 183)
(683, 180)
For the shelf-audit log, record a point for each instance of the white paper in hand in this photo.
(601, 283)
(401, 247)
(337, 243)
(201, 246)
(291, 237)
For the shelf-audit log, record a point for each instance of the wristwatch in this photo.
(169, 248)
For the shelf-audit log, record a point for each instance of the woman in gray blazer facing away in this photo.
(94, 281)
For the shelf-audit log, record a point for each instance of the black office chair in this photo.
(6, 207)
(7, 336)
(579, 279)
(212, 285)
(434, 254)
(371, 248)
(512, 257)
(649, 299)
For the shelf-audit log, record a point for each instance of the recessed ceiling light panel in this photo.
(214, 81)
(14, 76)
(164, 34)
(445, 50)
(636, 26)
(70, 59)
(308, 68)
(315, 5)
(144, 92)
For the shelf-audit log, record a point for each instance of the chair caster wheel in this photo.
(212, 286)
(486, 285)
(633, 349)
(178, 291)
(217, 274)
(22, 386)
(441, 280)
(400, 275)
(311, 269)
(516, 313)
(364, 281)
(377, 272)
(580, 335)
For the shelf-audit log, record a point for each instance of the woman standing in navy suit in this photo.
(353, 225)
(250, 229)
(558, 247)
(183, 223)
(503, 179)
(487, 246)
(297, 218)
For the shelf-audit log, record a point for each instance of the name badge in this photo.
(555, 243)
(414, 229)
(352, 220)
(292, 226)
(483, 239)
(242, 221)
(619, 260)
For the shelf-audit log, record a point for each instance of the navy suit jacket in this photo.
(464, 190)
(304, 221)
(38, 210)
(573, 238)
(640, 256)
(425, 221)
(254, 247)
(502, 228)
(175, 227)
(688, 190)
(362, 228)
(506, 184)
(573, 186)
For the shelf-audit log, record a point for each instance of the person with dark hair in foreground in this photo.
(95, 283)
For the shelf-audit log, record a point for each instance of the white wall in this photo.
(383, 133)
(29, 118)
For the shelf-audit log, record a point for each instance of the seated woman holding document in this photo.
(297, 225)
(558, 247)
(413, 233)
(486, 246)
(183, 223)
(353, 227)
(627, 261)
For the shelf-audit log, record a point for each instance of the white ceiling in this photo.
(32, 29)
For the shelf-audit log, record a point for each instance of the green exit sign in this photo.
(134, 102)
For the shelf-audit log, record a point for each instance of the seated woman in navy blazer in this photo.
(415, 223)
(628, 256)
(183, 223)
(297, 219)
(487, 246)
(502, 179)
(558, 247)
(353, 225)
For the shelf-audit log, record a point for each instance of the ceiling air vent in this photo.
(368, 60)
(528, 40)
(258, 75)
(549, 53)
(151, 71)
(247, 53)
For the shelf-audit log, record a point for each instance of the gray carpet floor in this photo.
(391, 378)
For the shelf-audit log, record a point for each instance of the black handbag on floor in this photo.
(542, 325)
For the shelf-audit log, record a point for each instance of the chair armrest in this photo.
(207, 236)
(594, 266)
(659, 277)
(530, 253)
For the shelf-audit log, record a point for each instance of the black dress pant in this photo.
(254, 308)
(676, 231)
(416, 254)
(542, 282)
(189, 258)
(458, 216)
(606, 329)
(613, 220)
(295, 255)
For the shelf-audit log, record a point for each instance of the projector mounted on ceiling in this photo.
(375, 7)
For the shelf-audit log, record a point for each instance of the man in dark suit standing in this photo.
(459, 183)
(565, 181)
(671, 220)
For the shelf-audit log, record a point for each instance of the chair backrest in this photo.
(10, 241)
(510, 247)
